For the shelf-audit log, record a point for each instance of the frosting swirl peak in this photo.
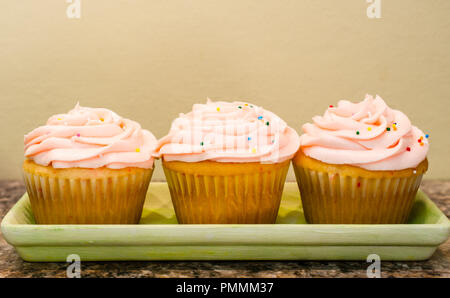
(367, 134)
(229, 132)
(90, 138)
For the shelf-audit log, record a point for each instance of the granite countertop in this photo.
(11, 265)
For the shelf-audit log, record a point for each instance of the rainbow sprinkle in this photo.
(249, 138)
(138, 149)
(426, 136)
(253, 150)
(388, 128)
(78, 134)
(267, 123)
(201, 143)
(420, 141)
(369, 128)
(260, 117)
(357, 132)
(218, 109)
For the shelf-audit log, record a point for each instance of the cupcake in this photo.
(226, 163)
(360, 163)
(89, 166)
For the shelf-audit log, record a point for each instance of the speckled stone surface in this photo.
(438, 266)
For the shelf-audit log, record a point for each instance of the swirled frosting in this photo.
(229, 132)
(367, 134)
(90, 138)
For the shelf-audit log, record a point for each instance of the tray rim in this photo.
(430, 234)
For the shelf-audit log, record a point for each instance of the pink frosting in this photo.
(90, 138)
(229, 132)
(367, 134)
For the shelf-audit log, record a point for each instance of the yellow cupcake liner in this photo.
(225, 193)
(86, 196)
(337, 198)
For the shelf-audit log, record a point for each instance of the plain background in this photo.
(150, 60)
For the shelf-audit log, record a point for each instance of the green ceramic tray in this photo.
(159, 237)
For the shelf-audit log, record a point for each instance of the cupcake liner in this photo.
(334, 198)
(109, 197)
(231, 197)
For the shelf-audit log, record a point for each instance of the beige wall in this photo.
(150, 60)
